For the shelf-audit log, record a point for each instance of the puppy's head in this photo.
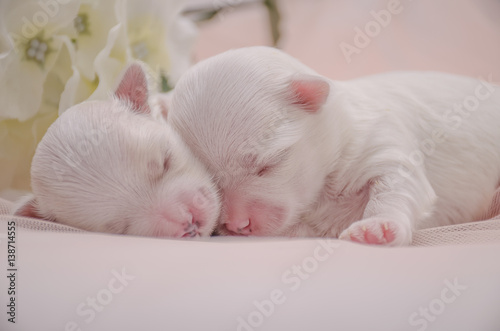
(109, 166)
(249, 115)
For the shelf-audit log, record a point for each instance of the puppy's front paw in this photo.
(378, 231)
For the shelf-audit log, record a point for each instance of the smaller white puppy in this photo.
(370, 160)
(116, 166)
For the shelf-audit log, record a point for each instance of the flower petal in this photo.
(160, 36)
(21, 80)
(27, 18)
(96, 19)
(30, 50)
(76, 90)
(110, 62)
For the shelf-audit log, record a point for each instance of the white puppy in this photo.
(115, 166)
(369, 160)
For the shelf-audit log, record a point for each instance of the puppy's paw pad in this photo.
(376, 231)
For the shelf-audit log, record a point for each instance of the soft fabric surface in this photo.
(479, 232)
(103, 282)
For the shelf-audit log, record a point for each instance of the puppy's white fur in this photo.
(369, 160)
(115, 166)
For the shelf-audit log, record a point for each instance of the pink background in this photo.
(457, 36)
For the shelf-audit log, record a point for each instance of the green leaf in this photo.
(274, 19)
(165, 86)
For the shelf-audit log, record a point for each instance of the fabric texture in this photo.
(480, 232)
(31, 223)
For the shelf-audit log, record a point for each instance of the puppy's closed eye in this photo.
(166, 163)
(271, 164)
(263, 170)
(157, 169)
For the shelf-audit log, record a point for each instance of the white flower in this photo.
(31, 46)
(152, 31)
(55, 55)
(101, 51)
(160, 36)
(92, 24)
(35, 62)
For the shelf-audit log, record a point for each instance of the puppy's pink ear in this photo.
(27, 207)
(133, 88)
(309, 92)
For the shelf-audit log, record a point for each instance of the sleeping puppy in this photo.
(115, 166)
(369, 160)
